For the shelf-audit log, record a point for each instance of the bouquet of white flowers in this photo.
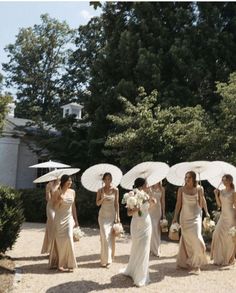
(208, 225)
(118, 229)
(232, 232)
(164, 225)
(174, 231)
(135, 199)
(175, 227)
(77, 234)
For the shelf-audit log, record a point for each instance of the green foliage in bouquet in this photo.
(11, 217)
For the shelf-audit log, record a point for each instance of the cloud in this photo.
(86, 14)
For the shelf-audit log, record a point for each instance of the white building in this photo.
(16, 156)
(72, 109)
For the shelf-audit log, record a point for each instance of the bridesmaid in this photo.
(50, 188)
(62, 253)
(192, 250)
(108, 199)
(223, 247)
(157, 211)
(141, 232)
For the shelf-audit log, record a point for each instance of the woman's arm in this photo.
(117, 208)
(47, 191)
(178, 205)
(200, 197)
(100, 197)
(205, 206)
(74, 212)
(56, 197)
(235, 200)
(217, 193)
(163, 203)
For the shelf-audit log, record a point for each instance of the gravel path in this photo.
(34, 276)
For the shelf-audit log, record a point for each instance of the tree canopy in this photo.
(155, 78)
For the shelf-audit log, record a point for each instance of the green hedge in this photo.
(11, 217)
(34, 204)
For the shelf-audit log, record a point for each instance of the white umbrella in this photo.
(173, 177)
(50, 164)
(226, 169)
(56, 174)
(203, 169)
(153, 172)
(92, 177)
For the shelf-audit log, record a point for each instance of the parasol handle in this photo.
(200, 183)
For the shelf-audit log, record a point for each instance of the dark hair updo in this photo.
(106, 175)
(139, 182)
(64, 179)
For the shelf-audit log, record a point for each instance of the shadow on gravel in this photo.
(93, 260)
(117, 281)
(30, 258)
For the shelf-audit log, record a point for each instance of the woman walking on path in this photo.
(51, 187)
(108, 199)
(141, 232)
(62, 254)
(192, 250)
(157, 211)
(223, 247)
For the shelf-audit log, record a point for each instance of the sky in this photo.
(20, 14)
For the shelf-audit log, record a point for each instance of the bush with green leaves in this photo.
(11, 217)
(34, 204)
(86, 207)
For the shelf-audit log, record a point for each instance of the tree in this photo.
(181, 49)
(226, 120)
(5, 99)
(37, 63)
(147, 131)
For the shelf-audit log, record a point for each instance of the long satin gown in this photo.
(62, 250)
(155, 214)
(106, 219)
(48, 236)
(141, 232)
(223, 247)
(192, 250)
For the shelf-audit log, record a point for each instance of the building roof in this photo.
(18, 121)
(76, 105)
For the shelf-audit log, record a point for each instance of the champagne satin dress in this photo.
(62, 250)
(155, 214)
(141, 232)
(106, 219)
(48, 237)
(192, 250)
(223, 247)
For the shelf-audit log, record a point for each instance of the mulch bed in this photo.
(6, 273)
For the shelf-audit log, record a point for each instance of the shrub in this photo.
(87, 209)
(34, 204)
(11, 217)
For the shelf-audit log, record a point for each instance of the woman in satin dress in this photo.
(157, 211)
(141, 232)
(192, 250)
(223, 246)
(62, 255)
(108, 200)
(51, 187)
